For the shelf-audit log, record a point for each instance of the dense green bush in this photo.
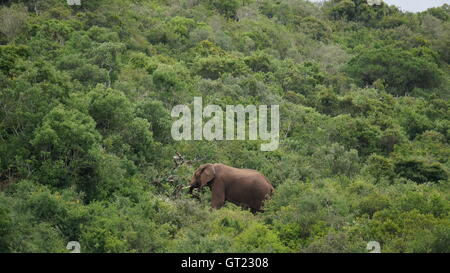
(86, 152)
(400, 70)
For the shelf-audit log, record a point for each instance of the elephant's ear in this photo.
(207, 174)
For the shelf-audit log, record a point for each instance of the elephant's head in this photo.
(202, 176)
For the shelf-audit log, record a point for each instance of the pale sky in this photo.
(413, 5)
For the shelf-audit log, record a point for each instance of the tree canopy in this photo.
(86, 152)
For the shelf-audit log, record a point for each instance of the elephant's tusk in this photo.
(187, 187)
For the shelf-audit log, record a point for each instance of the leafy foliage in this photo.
(86, 152)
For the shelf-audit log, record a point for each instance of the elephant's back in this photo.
(241, 172)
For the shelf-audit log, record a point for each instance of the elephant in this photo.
(243, 187)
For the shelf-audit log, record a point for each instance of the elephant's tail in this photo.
(272, 189)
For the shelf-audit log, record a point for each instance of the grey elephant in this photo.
(243, 187)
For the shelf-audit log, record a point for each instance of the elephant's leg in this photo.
(217, 199)
(254, 211)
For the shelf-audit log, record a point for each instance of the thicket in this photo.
(86, 152)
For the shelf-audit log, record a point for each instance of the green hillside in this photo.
(86, 152)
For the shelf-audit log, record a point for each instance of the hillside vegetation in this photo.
(86, 152)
